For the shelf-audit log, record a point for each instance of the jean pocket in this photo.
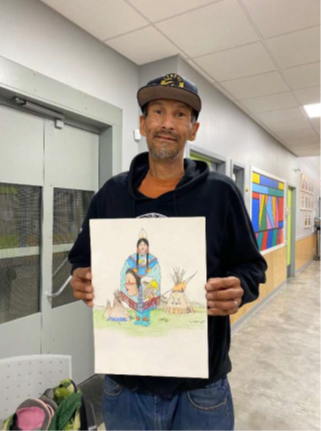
(212, 397)
(112, 388)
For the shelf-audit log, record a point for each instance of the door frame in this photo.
(28, 91)
(291, 272)
(214, 157)
(24, 333)
(64, 103)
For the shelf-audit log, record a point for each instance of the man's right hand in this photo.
(81, 285)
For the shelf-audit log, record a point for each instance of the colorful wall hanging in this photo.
(267, 208)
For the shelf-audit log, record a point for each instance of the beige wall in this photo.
(305, 250)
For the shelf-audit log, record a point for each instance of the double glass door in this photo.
(48, 176)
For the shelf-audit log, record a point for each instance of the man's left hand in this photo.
(224, 296)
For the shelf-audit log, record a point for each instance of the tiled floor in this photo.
(276, 360)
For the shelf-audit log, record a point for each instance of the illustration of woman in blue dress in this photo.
(140, 281)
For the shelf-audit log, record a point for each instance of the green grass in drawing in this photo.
(162, 322)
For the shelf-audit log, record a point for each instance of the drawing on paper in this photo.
(140, 281)
(138, 300)
(150, 314)
(178, 302)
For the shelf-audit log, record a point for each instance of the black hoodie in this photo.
(230, 240)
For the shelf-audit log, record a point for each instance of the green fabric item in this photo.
(61, 392)
(66, 413)
(8, 423)
(73, 424)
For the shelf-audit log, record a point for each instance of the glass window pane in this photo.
(20, 219)
(70, 208)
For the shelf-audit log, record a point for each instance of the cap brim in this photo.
(149, 93)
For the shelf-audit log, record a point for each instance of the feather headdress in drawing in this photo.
(143, 234)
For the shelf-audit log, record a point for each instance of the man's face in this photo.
(167, 128)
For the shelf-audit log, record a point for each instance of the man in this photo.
(161, 183)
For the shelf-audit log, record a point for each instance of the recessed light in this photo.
(314, 110)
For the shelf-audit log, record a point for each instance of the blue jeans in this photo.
(210, 408)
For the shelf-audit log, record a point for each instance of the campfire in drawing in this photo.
(178, 302)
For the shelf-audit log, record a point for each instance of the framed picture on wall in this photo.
(306, 184)
(307, 190)
(268, 209)
(307, 220)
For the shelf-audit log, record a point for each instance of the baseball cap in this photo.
(171, 86)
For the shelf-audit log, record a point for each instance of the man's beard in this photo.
(164, 152)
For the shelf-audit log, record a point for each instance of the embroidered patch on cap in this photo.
(172, 80)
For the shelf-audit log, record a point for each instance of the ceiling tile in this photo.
(143, 46)
(156, 10)
(308, 153)
(316, 123)
(308, 96)
(213, 28)
(275, 17)
(200, 71)
(270, 103)
(296, 48)
(303, 133)
(237, 62)
(259, 85)
(302, 149)
(223, 91)
(290, 125)
(303, 76)
(102, 19)
(280, 115)
(308, 141)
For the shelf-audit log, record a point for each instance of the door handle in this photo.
(59, 292)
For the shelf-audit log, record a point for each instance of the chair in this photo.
(23, 377)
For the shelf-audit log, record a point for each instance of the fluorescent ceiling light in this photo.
(313, 111)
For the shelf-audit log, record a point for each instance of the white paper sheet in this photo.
(150, 315)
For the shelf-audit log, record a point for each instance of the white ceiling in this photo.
(264, 55)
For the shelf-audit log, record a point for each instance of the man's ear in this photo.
(193, 133)
(142, 125)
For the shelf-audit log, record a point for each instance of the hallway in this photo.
(276, 360)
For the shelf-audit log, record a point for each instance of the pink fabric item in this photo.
(30, 418)
(51, 411)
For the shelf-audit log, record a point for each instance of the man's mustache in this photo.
(171, 135)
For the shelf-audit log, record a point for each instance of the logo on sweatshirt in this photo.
(152, 215)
